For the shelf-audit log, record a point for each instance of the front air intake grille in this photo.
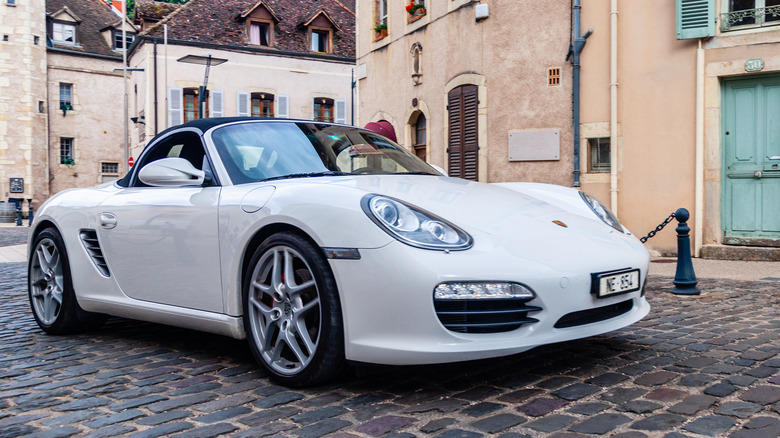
(484, 315)
(92, 245)
(594, 315)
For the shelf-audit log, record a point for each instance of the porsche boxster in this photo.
(325, 245)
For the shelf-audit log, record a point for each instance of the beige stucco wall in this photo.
(22, 87)
(95, 122)
(657, 111)
(301, 79)
(506, 57)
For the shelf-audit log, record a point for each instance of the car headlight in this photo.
(414, 226)
(601, 211)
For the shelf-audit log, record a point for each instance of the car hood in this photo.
(481, 208)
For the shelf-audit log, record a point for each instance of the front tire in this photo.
(292, 312)
(50, 288)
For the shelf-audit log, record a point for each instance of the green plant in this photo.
(68, 162)
(65, 107)
(380, 27)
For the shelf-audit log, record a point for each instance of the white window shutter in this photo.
(175, 113)
(216, 108)
(242, 104)
(282, 106)
(341, 111)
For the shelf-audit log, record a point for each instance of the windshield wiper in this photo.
(418, 173)
(306, 175)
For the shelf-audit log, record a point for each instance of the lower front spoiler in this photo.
(394, 350)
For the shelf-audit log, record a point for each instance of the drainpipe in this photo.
(155, 87)
(613, 104)
(575, 50)
(698, 228)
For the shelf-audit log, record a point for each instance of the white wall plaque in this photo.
(534, 144)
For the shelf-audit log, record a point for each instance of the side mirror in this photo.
(171, 172)
(438, 169)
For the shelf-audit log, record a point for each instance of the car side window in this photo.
(185, 145)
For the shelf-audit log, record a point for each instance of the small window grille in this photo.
(598, 153)
(553, 77)
(109, 167)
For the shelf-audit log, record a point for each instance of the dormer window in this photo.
(260, 22)
(62, 33)
(320, 41)
(120, 45)
(260, 33)
(320, 28)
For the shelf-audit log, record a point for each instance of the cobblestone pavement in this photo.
(10, 236)
(696, 366)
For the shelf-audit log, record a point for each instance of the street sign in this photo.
(130, 162)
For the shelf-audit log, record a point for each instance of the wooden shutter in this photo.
(341, 111)
(216, 104)
(695, 19)
(242, 104)
(463, 148)
(282, 106)
(175, 113)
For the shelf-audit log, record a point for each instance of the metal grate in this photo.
(109, 167)
(484, 316)
(553, 77)
(590, 316)
(90, 241)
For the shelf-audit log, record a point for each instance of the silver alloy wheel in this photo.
(284, 310)
(48, 283)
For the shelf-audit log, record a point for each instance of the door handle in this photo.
(108, 220)
(758, 174)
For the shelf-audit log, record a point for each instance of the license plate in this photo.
(605, 284)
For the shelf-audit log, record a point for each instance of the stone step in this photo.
(749, 253)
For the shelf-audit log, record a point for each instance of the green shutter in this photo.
(695, 19)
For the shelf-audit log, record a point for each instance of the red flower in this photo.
(409, 8)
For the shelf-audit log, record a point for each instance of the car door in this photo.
(161, 243)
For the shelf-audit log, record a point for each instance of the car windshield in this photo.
(273, 150)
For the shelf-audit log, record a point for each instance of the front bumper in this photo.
(388, 310)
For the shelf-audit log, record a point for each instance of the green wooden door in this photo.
(751, 170)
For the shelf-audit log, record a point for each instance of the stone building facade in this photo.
(666, 119)
(85, 136)
(23, 102)
(270, 58)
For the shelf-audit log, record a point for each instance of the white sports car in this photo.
(324, 244)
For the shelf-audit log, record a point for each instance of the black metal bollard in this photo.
(684, 279)
(30, 213)
(18, 212)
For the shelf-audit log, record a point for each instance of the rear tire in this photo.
(50, 288)
(292, 312)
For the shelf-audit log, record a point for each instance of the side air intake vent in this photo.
(92, 245)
